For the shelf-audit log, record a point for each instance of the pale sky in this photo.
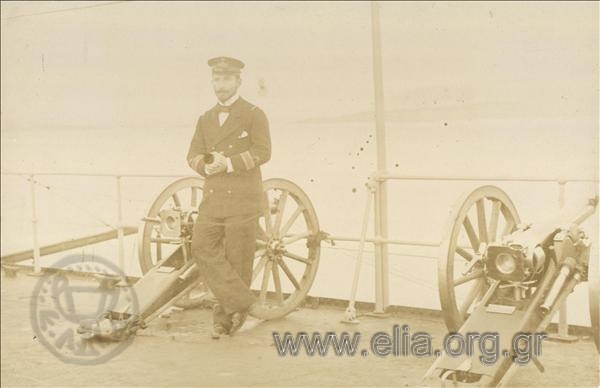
(144, 64)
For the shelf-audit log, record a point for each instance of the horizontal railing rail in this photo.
(113, 175)
(385, 176)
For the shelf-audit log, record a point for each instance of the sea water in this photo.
(331, 161)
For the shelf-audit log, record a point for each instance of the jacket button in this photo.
(211, 191)
(230, 146)
(228, 191)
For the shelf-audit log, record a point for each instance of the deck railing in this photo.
(122, 230)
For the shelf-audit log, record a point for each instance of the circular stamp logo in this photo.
(78, 320)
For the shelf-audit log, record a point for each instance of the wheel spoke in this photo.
(464, 253)
(268, 221)
(280, 211)
(265, 282)
(467, 278)
(277, 283)
(508, 228)
(259, 267)
(471, 233)
(176, 200)
(194, 201)
(481, 222)
(261, 235)
(510, 221)
(158, 250)
(470, 298)
(293, 238)
(289, 274)
(296, 257)
(494, 220)
(259, 253)
(291, 221)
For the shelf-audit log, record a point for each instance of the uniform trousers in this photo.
(224, 249)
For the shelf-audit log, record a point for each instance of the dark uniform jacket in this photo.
(245, 139)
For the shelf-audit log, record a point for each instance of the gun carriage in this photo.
(499, 275)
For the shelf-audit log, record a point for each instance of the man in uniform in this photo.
(230, 143)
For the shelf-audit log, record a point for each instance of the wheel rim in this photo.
(482, 216)
(288, 250)
(184, 194)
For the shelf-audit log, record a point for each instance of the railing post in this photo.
(350, 313)
(563, 324)
(120, 235)
(37, 268)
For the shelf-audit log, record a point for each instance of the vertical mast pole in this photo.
(381, 211)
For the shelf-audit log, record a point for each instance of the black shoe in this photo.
(218, 330)
(237, 320)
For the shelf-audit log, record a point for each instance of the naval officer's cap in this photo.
(225, 65)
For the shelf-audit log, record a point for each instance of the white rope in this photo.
(71, 202)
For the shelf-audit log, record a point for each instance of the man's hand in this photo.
(218, 165)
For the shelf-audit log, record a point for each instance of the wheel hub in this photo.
(275, 247)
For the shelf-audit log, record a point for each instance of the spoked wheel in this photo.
(480, 217)
(288, 250)
(287, 247)
(178, 205)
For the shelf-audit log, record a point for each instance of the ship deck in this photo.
(177, 350)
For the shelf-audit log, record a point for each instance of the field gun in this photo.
(286, 258)
(506, 278)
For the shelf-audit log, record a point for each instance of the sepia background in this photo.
(472, 89)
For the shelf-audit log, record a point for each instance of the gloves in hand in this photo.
(218, 165)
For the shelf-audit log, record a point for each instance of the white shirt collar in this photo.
(230, 101)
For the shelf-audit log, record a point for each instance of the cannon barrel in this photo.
(543, 233)
(532, 239)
